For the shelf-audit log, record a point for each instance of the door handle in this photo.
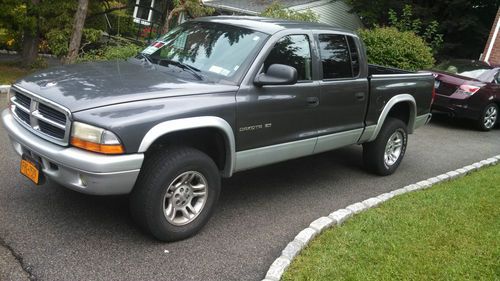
(360, 96)
(312, 101)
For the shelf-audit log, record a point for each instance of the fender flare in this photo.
(387, 108)
(183, 124)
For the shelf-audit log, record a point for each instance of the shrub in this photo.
(58, 39)
(111, 53)
(276, 10)
(390, 47)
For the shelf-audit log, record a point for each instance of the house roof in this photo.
(333, 12)
(252, 6)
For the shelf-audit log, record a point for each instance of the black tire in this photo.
(482, 123)
(157, 174)
(374, 152)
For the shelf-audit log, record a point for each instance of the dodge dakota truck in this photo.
(212, 97)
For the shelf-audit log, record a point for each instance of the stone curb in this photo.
(279, 266)
(4, 89)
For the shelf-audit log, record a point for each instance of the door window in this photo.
(292, 50)
(335, 56)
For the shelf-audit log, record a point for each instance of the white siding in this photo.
(333, 12)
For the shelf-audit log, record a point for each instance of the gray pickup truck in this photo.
(214, 96)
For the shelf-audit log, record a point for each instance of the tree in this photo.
(194, 8)
(31, 36)
(276, 10)
(76, 36)
(465, 24)
(407, 22)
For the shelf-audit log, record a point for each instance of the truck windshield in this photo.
(211, 49)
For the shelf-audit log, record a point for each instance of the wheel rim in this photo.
(185, 198)
(490, 117)
(393, 148)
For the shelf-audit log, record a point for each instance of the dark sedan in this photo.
(468, 89)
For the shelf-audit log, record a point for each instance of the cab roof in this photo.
(269, 25)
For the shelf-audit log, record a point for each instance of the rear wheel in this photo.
(176, 193)
(489, 117)
(383, 155)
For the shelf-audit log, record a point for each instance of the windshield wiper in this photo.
(146, 57)
(191, 69)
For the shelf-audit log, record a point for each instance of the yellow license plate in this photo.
(30, 170)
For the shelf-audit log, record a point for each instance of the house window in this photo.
(147, 11)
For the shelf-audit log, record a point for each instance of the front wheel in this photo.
(488, 118)
(383, 155)
(176, 193)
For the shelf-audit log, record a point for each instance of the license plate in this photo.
(31, 170)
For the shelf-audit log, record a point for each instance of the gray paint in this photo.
(140, 103)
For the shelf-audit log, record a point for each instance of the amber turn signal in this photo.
(96, 147)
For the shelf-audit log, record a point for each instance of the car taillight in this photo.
(468, 89)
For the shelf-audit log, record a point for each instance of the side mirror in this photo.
(277, 74)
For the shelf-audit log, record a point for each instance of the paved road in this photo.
(64, 235)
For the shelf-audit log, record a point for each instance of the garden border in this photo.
(337, 217)
(4, 89)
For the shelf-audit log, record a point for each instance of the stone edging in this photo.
(302, 239)
(4, 89)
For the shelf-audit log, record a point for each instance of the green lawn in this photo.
(9, 73)
(448, 232)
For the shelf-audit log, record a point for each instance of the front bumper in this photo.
(82, 171)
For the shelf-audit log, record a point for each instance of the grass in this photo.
(448, 232)
(9, 73)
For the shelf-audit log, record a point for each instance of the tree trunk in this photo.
(31, 38)
(76, 36)
(166, 25)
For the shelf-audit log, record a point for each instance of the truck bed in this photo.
(374, 69)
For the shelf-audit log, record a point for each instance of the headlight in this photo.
(95, 139)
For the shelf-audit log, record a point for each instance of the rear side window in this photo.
(292, 50)
(335, 56)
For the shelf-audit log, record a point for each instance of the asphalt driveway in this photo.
(63, 235)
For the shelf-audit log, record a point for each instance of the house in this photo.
(333, 12)
(491, 52)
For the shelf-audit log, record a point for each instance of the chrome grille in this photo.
(43, 117)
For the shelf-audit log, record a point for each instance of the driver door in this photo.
(277, 122)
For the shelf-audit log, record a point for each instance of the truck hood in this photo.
(90, 85)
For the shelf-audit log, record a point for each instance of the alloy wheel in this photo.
(185, 198)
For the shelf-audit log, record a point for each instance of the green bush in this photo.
(58, 39)
(111, 53)
(278, 11)
(390, 47)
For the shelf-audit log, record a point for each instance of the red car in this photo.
(468, 89)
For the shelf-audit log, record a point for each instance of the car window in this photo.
(292, 50)
(216, 50)
(353, 49)
(335, 56)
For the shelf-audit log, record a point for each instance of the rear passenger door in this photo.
(343, 92)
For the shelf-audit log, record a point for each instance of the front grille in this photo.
(25, 117)
(51, 130)
(51, 113)
(44, 118)
(446, 89)
(23, 100)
